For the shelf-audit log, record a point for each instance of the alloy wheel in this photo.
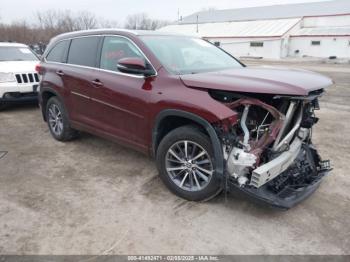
(189, 165)
(55, 119)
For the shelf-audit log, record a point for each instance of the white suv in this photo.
(18, 79)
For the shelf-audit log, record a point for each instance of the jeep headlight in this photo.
(7, 77)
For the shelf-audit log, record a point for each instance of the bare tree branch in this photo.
(53, 22)
(141, 21)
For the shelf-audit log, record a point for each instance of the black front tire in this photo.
(195, 135)
(67, 133)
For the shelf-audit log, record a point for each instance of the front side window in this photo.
(10, 53)
(115, 48)
(187, 55)
(58, 52)
(83, 51)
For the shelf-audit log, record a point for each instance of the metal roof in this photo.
(108, 31)
(334, 7)
(323, 31)
(265, 28)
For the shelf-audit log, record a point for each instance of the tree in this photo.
(103, 23)
(52, 22)
(86, 20)
(65, 21)
(141, 21)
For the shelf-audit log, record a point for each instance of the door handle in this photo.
(97, 83)
(60, 73)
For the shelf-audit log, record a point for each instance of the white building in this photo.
(319, 29)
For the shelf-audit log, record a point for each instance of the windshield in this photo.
(9, 53)
(186, 55)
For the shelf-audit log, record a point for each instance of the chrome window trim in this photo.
(103, 70)
(100, 69)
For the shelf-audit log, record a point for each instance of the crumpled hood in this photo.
(265, 80)
(18, 66)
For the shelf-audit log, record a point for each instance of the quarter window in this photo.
(58, 52)
(83, 51)
(115, 48)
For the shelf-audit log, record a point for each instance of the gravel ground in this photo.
(92, 196)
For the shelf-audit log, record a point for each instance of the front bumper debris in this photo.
(274, 168)
(291, 186)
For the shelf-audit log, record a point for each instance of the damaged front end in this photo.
(268, 149)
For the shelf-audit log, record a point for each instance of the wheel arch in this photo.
(45, 95)
(186, 118)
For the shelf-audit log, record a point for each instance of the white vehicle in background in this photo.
(18, 80)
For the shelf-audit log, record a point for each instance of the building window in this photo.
(257, 44)
(217, 44)
(315, 42)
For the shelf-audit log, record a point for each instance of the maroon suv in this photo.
(211, 123)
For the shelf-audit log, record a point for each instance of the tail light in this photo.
(38, 68)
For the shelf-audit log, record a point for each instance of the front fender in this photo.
(217, 147)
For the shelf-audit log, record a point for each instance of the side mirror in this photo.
(134, 65)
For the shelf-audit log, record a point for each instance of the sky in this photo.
(117, 10)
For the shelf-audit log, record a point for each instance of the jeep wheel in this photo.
(2, 106)
(186, 164)
(57, 120)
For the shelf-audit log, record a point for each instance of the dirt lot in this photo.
(92, 196)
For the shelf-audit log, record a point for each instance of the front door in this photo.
(120, 102)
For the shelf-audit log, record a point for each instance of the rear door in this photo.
(78, 75)
(53, 65)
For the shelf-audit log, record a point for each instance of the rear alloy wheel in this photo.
(186, 164)
(55, 120)
(58, 122)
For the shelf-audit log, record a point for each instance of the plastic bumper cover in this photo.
(287, 199)
(19, 97)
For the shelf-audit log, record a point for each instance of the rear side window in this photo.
(83, 51)
(58, 52)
